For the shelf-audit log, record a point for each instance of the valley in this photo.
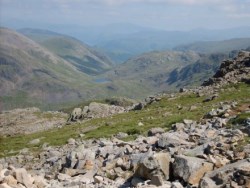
(185, 138)
(52, 71)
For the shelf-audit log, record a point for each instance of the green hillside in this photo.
(31, 75)
(165, 71)
(83, 57)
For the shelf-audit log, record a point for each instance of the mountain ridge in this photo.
(80, 55)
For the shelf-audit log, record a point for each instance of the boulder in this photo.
(75, 114)
(4, 185)
(173, 139)
(23, 177)
(190, 169)
(97, 110)
(155, 131)
(35, 141)
(150, 166)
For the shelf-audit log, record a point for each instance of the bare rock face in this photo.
(232, 71)
(191, 169)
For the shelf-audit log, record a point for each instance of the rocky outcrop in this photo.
(232, 71)
(95, 110)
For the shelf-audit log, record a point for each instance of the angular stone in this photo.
(10, 180)
(156, 180)
(172, 139)
(156, 130)
(136, 181)
(35, 141)
(187, 121)
(63, 177)
(191, 169)
(40, 182)
(176, 185)
(4, 185)
(22, 177)
(207, 183)
(98, 179)
(151, 165)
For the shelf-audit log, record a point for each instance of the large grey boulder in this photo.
(190, 169)
(154, 165)
(173, 139)
(97, 110)
(75, 114)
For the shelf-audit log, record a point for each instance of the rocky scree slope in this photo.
(205, 153)
(29, 120)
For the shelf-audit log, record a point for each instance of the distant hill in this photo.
(216, 46)
(83, 57)
(32, 75)
(168, 70)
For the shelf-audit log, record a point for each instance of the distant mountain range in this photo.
(224, 46)
(123, 41)
(51, 70)
(166, 70)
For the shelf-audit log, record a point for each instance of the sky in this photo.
(161, 14)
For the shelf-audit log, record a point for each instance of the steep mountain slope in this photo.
(216, 46)
(161, 71)
(30, 74)
(83, 57)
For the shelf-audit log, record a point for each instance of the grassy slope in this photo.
(160, 114)
(154, 71)
(80, 55)
(34, 73)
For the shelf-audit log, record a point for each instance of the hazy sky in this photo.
(164, 14)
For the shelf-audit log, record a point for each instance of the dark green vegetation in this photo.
(159, 114)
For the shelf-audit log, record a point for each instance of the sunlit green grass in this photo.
(159, 114)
